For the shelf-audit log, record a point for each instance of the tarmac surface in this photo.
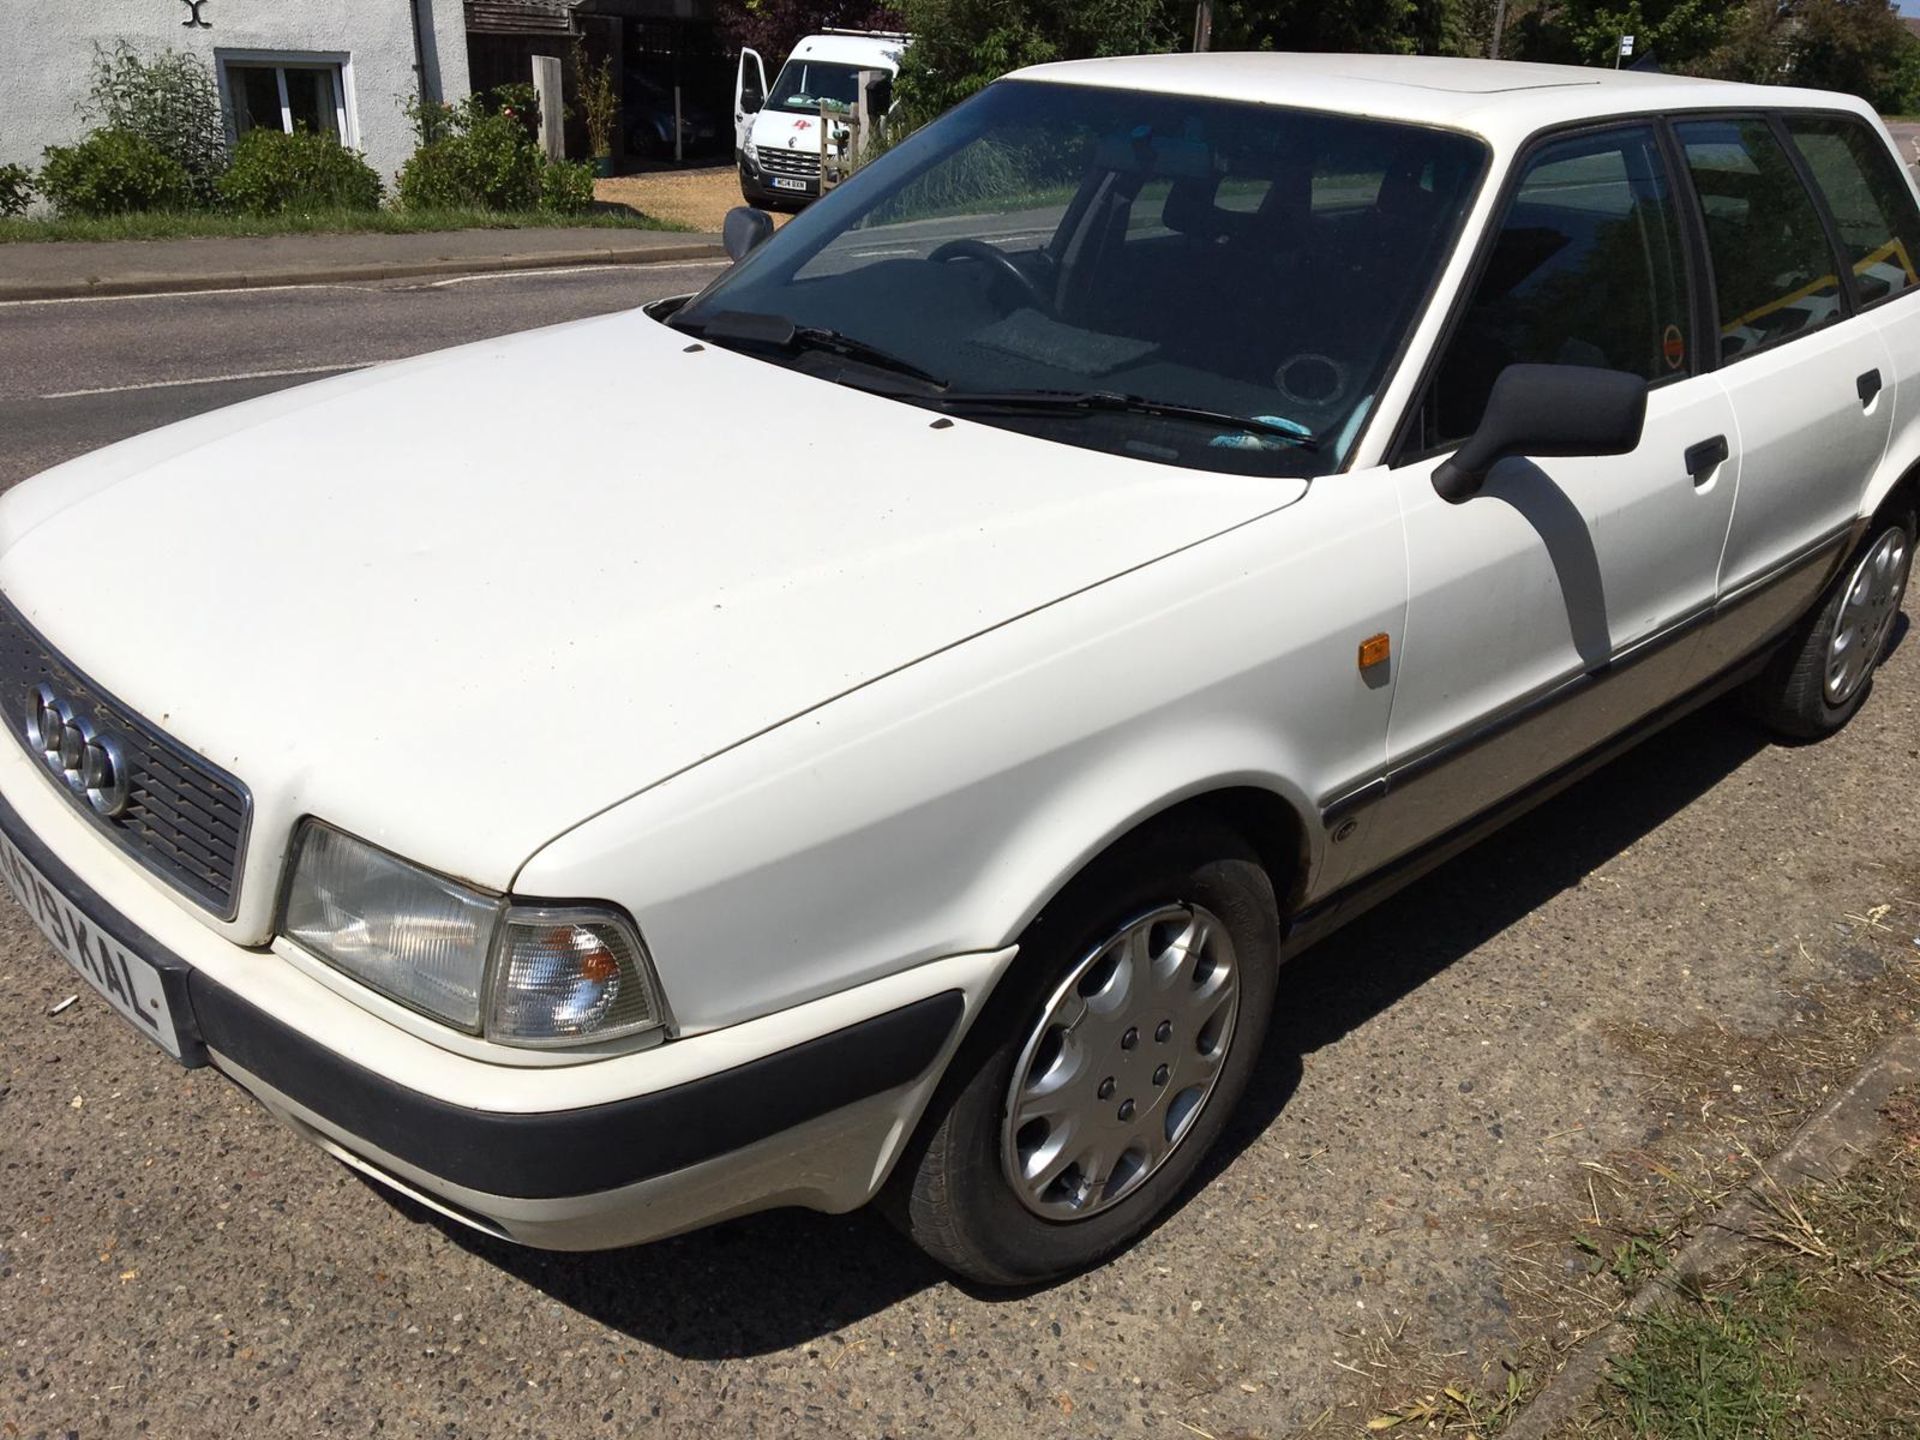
(1672, 960)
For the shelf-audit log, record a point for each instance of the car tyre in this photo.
(955, 1192)
(1821, 676)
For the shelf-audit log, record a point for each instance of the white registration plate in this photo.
(781, 182)
(129, 983)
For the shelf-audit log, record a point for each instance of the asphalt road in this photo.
(1657, 970)
(75, 374)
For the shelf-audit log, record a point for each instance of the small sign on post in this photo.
(1626, 49)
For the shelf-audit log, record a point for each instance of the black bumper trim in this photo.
(546, 1155)
(539, 1156)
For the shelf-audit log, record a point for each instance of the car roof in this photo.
(1504, 100)
(879, 51)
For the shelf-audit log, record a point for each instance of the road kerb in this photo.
(1825, 1148)
(178, 284)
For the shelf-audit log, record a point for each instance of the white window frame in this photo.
(339, 63)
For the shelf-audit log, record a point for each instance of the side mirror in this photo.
(880, 97)
(751, 102)
(744, 231)
(1547, 410)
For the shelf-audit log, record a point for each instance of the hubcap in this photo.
(1121, 1063)
(1867, 612)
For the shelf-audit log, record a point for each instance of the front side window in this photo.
(1871, 205)
(1587, 267)
(1773, 270)
(1186, 262)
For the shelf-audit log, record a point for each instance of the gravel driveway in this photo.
(698, 199)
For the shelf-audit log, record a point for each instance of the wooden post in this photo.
(1499, 24)
(553, 106)
(1202, 26)
(678, 154)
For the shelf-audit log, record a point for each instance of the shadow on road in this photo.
(769, 1282)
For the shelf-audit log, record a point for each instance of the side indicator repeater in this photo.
(1375, 650)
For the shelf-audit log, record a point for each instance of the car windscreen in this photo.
(1119, 270)
(808, 84)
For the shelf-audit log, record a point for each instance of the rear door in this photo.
(1871, 199)
(1555, 608)
(1807, 374)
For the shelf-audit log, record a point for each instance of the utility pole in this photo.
(1499, 24)
(1203, 25)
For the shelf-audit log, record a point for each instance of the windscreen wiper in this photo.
(776, 332)
(1090, 402)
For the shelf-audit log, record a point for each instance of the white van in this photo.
(776, 131)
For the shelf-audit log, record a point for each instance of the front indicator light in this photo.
(562, 977)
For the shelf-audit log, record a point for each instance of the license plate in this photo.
(781, 182)
(129, 983)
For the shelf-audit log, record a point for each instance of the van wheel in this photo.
(1104, 1068)
(1821, 676)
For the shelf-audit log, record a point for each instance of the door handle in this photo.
(1702, 458)
(1868, 386)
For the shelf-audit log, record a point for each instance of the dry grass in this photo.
(697, 199)
(1725, 1100)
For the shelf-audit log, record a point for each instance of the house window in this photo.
(289, 95)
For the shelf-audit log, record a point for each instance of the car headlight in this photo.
(522, 975)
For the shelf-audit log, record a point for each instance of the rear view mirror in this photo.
(744, 231)
(1547, 410)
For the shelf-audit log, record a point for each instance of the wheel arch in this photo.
(1269, 822)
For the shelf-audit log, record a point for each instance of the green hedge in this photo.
(274, 174)
(114, 172)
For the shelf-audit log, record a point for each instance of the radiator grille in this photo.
(801, 164)
(185, 820)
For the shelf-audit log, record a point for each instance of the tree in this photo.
(961, 46)
(1680, 34)
(774, 27)
(1858, 46)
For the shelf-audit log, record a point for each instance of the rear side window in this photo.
(1587, 268)
(1773, 270)
(1872, 206)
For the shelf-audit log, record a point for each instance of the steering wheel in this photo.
(967, 248)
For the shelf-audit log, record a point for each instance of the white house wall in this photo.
(46, 58)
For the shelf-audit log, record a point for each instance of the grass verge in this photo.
(1817, 1335)
(170, 226)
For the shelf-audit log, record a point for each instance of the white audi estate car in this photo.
(886, 740)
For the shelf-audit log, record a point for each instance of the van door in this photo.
(749, 94)
(1558, 606)
(1810, 380)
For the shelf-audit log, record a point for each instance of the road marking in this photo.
(364, 286)
(568, 270)
(213, 380)
(177, 294)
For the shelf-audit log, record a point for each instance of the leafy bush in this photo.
(16, 189)
(112, 172)
(599, 104)
(273, 173)
(566, 188)
(482, 155)
(170, 101)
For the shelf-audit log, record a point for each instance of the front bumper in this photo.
(806, 1107)
(755, 186)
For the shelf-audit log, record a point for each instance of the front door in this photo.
(1553, 609)
(749, 94)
